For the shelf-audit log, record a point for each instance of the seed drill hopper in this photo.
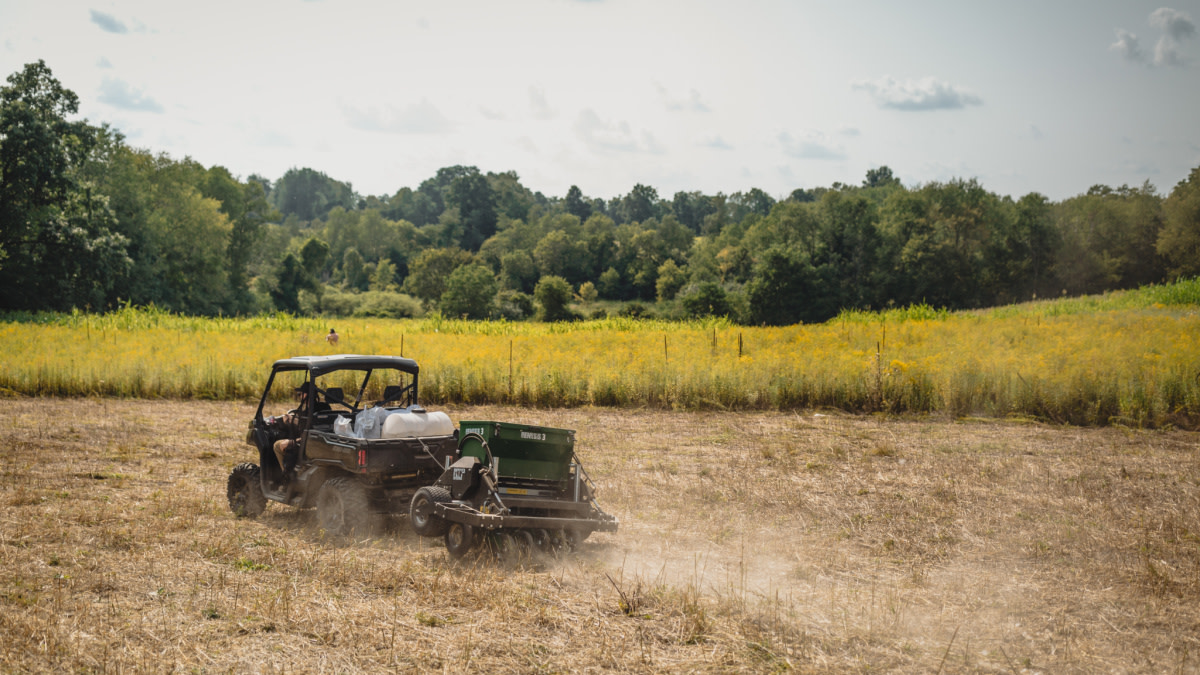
(514, 486)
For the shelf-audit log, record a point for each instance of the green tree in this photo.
(610, 284)
(671, 278)
(576, 205)
(518, 271)
(754, 201)
(786, 289)
(289, 279)
(514, 305)
(1179, 240)
(880, 177)
(313, 255)
(469, 293)
(588, 293)
(1022, 261)
(558, 254)
(1109, 239)
(691, 208)
(709, 299)
(309, 194)
(353, 270)
(428, 272)
(511, 199)
(466, 189)
(415, 206)
(58, 248)
(247, 208)
(383, 278)
(640, 204)
(553, 295)
(374, 236)
(790, 224)
(803, 196)
(939, 238)
(190, 235)
(849, 251)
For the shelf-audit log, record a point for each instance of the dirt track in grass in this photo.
(748, 542)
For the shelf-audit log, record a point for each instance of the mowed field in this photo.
(749, 542)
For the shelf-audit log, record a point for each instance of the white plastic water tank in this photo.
(407, 424)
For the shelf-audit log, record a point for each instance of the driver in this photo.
(287, 448)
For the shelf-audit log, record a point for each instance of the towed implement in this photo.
(513, 486)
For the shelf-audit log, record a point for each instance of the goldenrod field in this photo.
(1130, 358)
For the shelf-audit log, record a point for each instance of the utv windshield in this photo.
(344, 383)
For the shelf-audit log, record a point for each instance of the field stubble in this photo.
(749, 542)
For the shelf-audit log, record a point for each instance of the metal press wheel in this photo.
(525, 541)
(460, 539)
(505, 546)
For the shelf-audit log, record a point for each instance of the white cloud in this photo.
(812, 146)
(103, 63)
(271, 139)
(526, 143)
(1127, 46)
(109, 23)
(650, 144)
(1175, 24)
(926, 93)
(604, 136)
(494, 115)
(693, 103)
(538, 106)
(419, 118)
(119, 94)
(716, 143)
(1176, 27)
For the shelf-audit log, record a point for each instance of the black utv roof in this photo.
(319, 365)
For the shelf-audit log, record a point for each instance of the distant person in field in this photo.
(332, 338)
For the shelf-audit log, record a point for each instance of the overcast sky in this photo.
(1051, 97)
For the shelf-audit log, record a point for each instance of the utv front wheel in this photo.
(343, 507)
(244, 491)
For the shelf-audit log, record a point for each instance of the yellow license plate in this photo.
(517, 491)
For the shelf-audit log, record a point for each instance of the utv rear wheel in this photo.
(460, 539)
(244, 491)
(343, 507)
(421, 511)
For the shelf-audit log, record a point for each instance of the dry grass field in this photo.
(750, 542)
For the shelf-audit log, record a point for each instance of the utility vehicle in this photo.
(365, 443)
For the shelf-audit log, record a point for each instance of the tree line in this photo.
(89, 222)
